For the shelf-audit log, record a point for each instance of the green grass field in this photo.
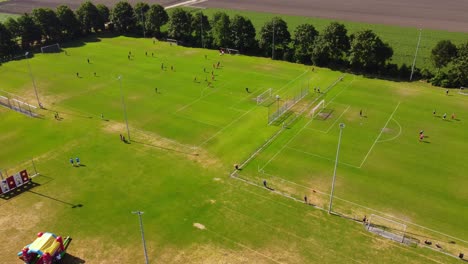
(5, 16)
(403, 40)
(185, 139)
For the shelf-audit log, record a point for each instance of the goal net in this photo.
(231, 51)
(463, 90)
(261, 98)
(387, 228)
(172, 41)
(51, 48)
(316, 109)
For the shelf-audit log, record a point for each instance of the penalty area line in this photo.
(380, 134)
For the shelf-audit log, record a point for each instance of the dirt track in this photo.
(451, 15)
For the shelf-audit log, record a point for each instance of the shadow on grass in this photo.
(55, 199)
(25, 188)
(70, 259)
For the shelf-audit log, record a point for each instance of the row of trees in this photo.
(362, 51)
(451, 63)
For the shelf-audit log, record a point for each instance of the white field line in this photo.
(330, 127)
(225, 127)
(336, 95)
(323, 157)
(201, 97)
(353, 203)
(247, 112)
(399, 133)
(377, 139)
(195, 120)
(242, 245)
(298, 132)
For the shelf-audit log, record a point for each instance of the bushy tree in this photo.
(123, 17)
(69, 25)
(243, 34)
(331, 45)
(220, 30)
(275, 33)
(13, 27)
(202, 30)
(180, 25)
(104, 16)
(7, 45)
(368, 52)
(459, 70)
(141, 12)
(88, 16)
(155, 19)
(48, 22)
(304, 37)
(29, 32)
(443, 53)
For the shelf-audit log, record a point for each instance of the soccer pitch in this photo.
(190, 121)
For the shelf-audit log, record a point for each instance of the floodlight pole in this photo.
(342, 125)
(139, 213)
(415, 55)
(277, 103)
(32, 79)
(124, 107)
(143, 22)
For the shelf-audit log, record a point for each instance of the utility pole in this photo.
(143, 22)
(32, 79)
(415, 55)
(342, 125)
(273, 45)
(201, 29)
(140, 213)
(124, 107)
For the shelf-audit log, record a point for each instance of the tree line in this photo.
(361, 52)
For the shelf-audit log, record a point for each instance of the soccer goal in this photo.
(172, 41)
(316, 109)
(463, 90)
(51, 48)
(387, 228)
(261, 98)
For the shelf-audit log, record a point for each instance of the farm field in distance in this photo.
(188, 129)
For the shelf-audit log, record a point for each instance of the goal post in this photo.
(173, 41)
(51, 48)
(316, 109)
(230, 51)
(387, 228)
(261, 98)
(463, 90)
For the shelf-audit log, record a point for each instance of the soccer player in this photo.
(162, 66)
(434, 112)
(421, 132)
(146, 53)
(446, 92)
(77, 161)
(247, 89)
(88, 60)
(71, 162)
(445, 115)
(305, 199)
(156, 90)
(78, 74)
(421, 137)
(265, 183)
(453, 115)
(94, 74)
(360, 113)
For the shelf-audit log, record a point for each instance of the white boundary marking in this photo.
(190, 2)
(331, 126)
(323, 157)
(247, 112)
(377, 139)
(399, 133)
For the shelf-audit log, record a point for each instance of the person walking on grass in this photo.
(445, 116)
(77, 161)
(71, 162)
(265, 183)
(305, 199)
